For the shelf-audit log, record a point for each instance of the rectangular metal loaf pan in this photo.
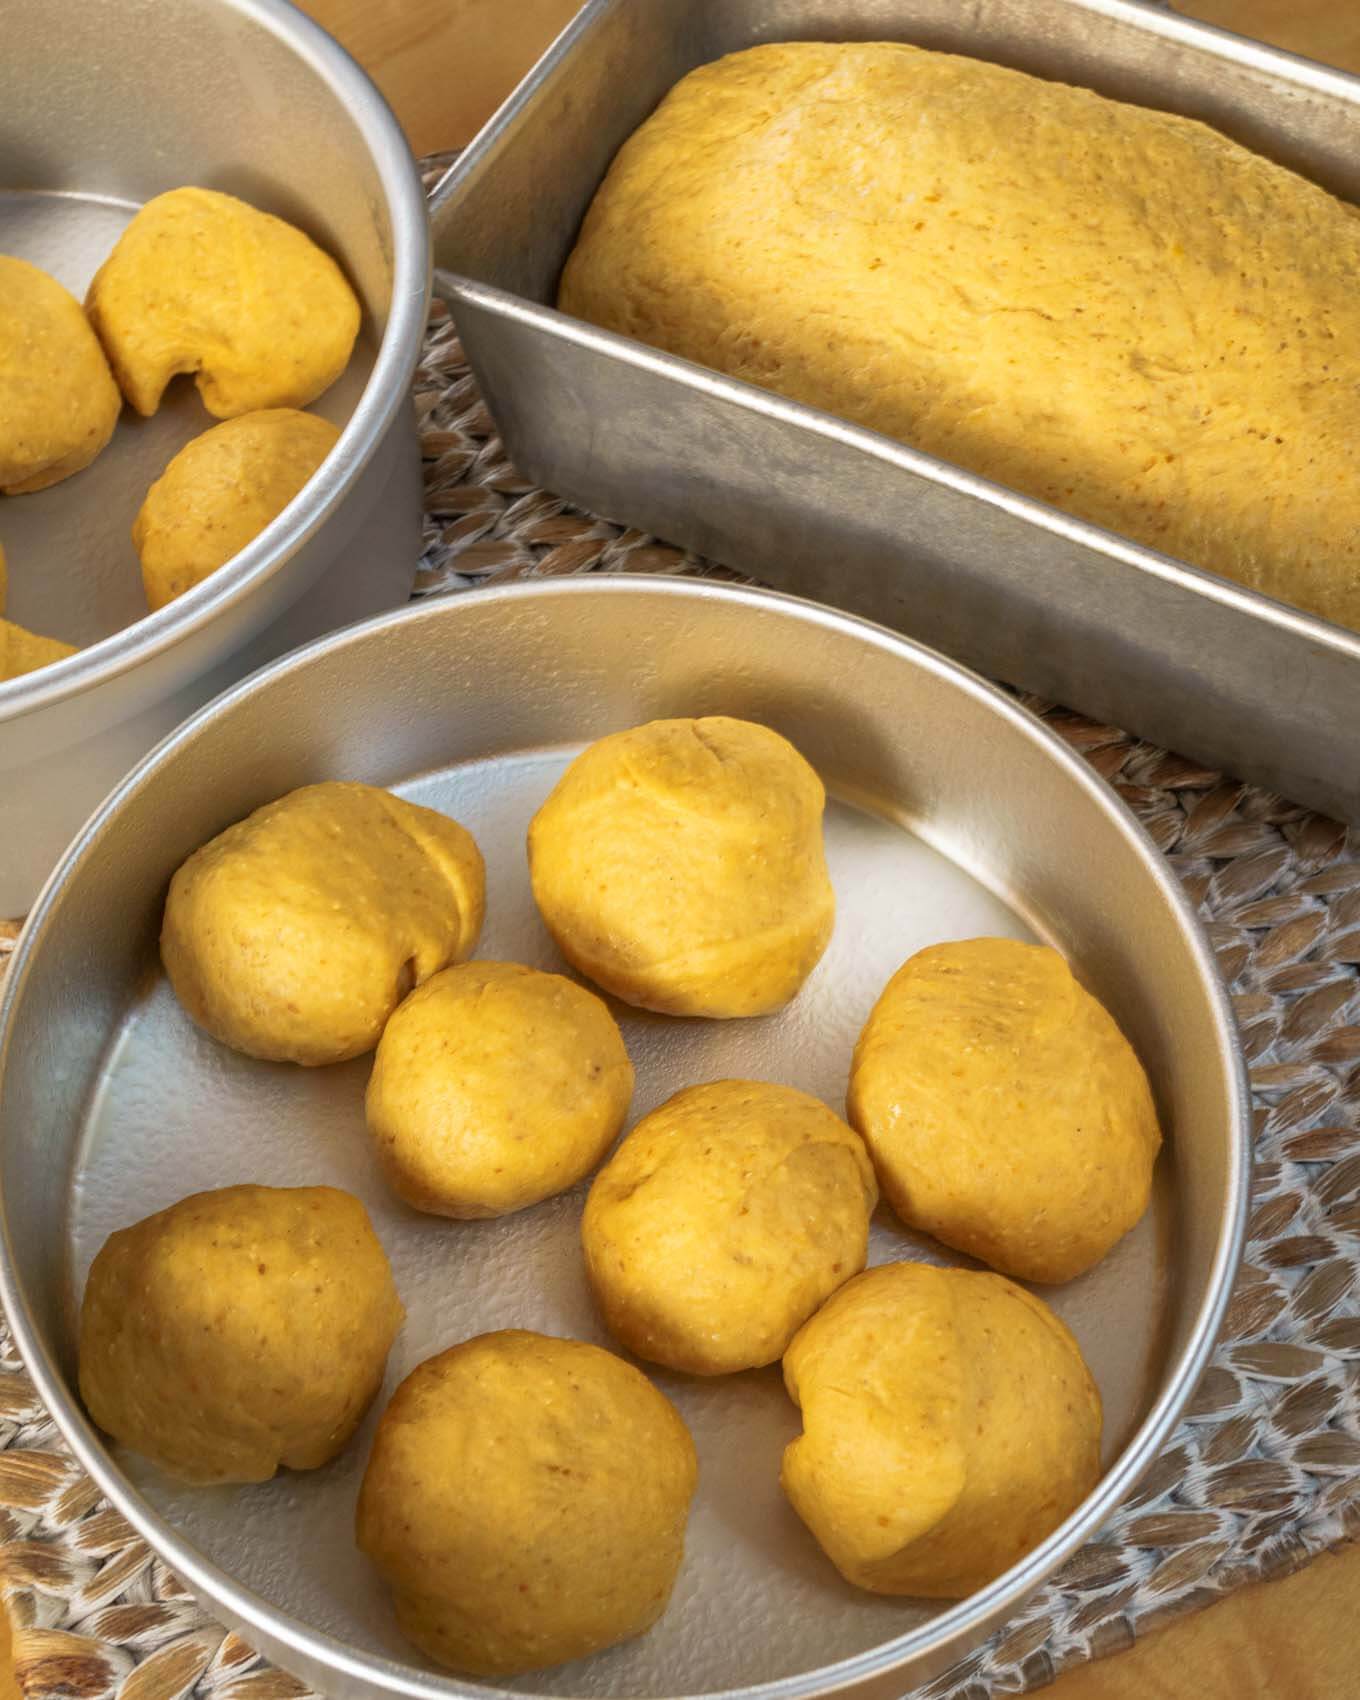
(811, 504)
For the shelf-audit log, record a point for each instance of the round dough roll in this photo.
(202, 282)
(238, 1331)
(950, 1424)
(219, 493)
(526, 1501)
(58, 401)
(293, 935)
(723, 1221)
(1005, 1112)
(495, 1086)
(680, 866)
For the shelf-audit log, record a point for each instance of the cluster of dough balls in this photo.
(246, 1330)
(200, 283)
(949, 1420)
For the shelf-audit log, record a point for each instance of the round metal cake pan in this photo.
(101, 107)
(953, 812)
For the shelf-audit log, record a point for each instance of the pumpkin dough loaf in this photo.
(293, 935)
(1004, 1110)
(495, 1086)
(219, 493)
(1115, 310)
(58, 401)
(680, 866)
(722, 1222)
(526, 1500)
(238, 1331)
(950, 1424)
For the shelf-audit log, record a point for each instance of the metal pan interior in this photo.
(953, 813)
(75, 573)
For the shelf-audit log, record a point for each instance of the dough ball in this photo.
(58, 401)
(219, 493)
(495, 1086)
(293, 935)
(949, 1425)
(680, 866)
(1005, 1112)
(200, 282)
(526, 1501)
(722, 1222)
(23, 651)
(238, 1331)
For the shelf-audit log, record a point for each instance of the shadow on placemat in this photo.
(1265, 1470)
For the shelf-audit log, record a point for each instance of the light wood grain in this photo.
(9, 1688)
(444, 65)
(1319, 29)
(1297, 1639)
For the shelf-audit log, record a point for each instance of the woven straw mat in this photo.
(1265, 1470)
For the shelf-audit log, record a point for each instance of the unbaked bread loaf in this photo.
(1116, 310)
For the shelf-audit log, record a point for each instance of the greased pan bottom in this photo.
(953, 813)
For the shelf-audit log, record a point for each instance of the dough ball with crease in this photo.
(680, 866)
(722, 1221)
(495, 1086)
(203, 283)
(1005, 1112)
(294, 934)
(239, 1331)
(526, 1501)
(219, 493)
(58, 401)
(950, 1424)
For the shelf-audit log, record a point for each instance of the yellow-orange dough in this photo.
(1115, 310)
(680, 866)
(949, 1425)
(58, 401)
(239, 1331)
(23, 651)
(293, 935)
(526, 1502)
(722, 1221)
(1004, 1110)
(202, 282)
(220, 491)
(495, 1086)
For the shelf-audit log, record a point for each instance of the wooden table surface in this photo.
(445, 65)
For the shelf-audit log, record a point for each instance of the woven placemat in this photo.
(1265, 1470)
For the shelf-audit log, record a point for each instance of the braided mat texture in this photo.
(1265, 1470)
